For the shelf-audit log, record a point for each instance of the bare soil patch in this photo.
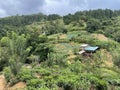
(2, 82)
(62, 36)
(18, 86)
(100, 37)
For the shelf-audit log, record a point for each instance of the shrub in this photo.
(8, 74)
(25, 75)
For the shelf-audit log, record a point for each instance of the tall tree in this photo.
(17, 52)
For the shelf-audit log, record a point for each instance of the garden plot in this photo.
(72, 34)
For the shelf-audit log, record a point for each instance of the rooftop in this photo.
(90, 48)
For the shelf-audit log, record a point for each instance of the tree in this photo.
(53, 17)
(16, 51)
(93, 25)
(68, 18)
(116, 35)
(43, 50)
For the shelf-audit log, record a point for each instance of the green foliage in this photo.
(116, 58)
(8, 74)
(16, 51)
(22, 20)
(67, 19)
(4, 41)
(3, 58)
(53, 17)
(108, 45)
(43, 50)
(84, 38)
(93, 25)
(25, 74)
(116, 36)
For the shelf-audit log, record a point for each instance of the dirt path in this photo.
(2, 82)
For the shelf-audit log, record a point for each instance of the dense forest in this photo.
(41, 51)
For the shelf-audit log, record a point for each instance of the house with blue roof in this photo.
(85, 48)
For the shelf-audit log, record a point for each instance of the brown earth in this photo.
(62, 36)
(100, 37)
(2, 82)
(18, 86)
(60, 46)
(4, 86)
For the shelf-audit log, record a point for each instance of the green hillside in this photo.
(42, 51)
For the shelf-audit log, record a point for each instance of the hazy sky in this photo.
(62, 7)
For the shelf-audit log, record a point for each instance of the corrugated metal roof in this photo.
(90, 48)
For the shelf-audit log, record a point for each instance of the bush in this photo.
(8, 74)
(25, 75)
(34, 83)
(116, 58)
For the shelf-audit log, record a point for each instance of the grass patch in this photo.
(65, 48)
